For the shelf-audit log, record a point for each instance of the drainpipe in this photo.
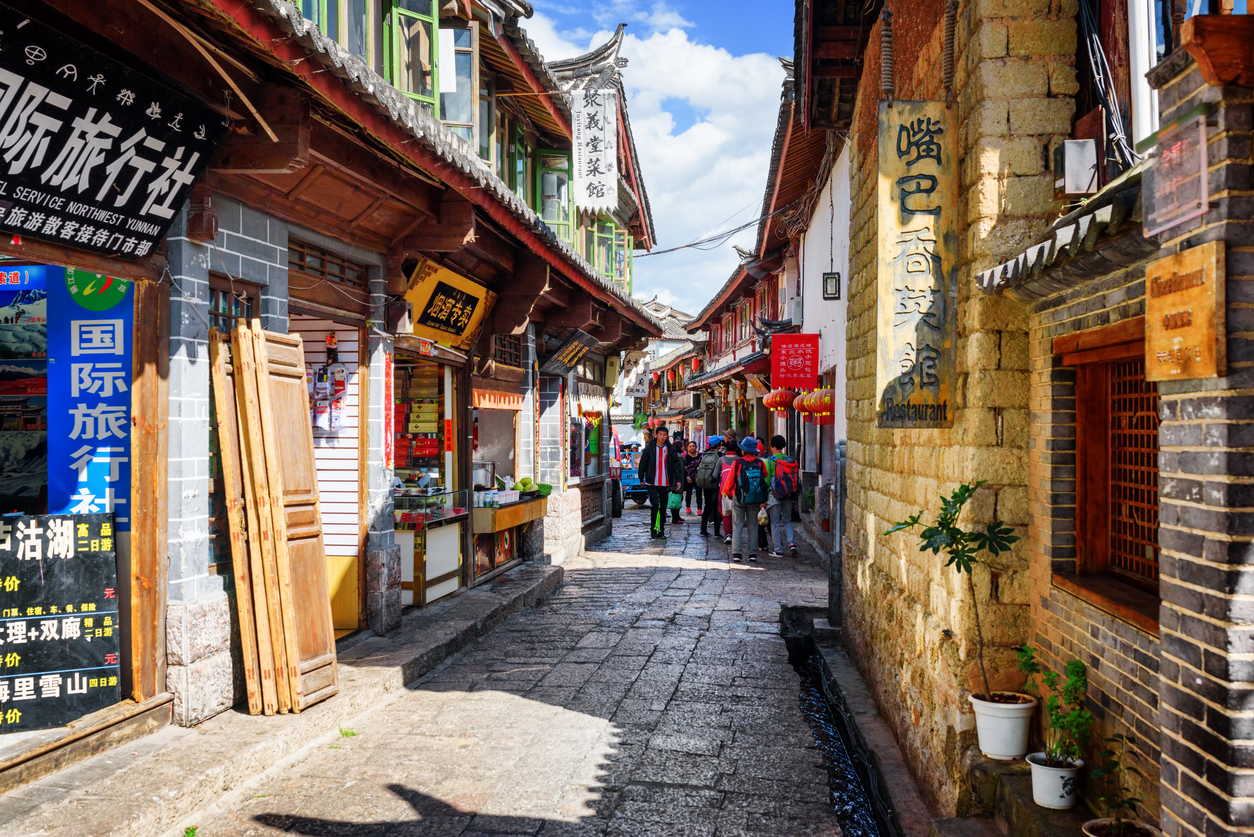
(835, 564)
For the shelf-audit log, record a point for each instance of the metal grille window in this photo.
(1133, 472)
(318, 261)
(230, 301)
(507, 349)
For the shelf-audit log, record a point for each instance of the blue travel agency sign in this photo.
(89, 393)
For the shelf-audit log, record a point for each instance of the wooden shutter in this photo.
(301, 557)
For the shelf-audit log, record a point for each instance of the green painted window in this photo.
(412, 28)
(520, 173)
(553, 193)
(459, 83)
(325, 13)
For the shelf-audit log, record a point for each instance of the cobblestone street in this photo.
(651, 695)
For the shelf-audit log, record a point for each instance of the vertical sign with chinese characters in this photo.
(389, 414)
(1186, 333)
(93, 155)
(59, 628)
(917, 290)
(89, 394)
(594, 117)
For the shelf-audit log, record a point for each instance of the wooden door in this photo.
(300, 555)
(241, 509)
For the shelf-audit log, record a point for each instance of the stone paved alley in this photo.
(650, 696)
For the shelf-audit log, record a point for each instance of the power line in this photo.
(718, 239)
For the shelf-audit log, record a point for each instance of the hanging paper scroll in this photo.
(918, 245)
(595, 117)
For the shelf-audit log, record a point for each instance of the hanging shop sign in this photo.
(89, 393)
(917, 290)
(568, 355)
(59, 619)
(759, 387)
(1185, 319)
(96, 156)
(795, 360)
(1175, 187)
(594, 118)
(491, 399)
(448, 308)
(637, 383)
(592, 398)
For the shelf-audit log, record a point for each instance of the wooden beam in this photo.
(489, 246)
(836, 49)
(518, 301)
(536, 87)
(834, 72)
(842, 33)
(584, 314)
(287, 112)
(611, 330)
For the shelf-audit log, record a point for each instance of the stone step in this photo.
(963, 827)
(1024, 818)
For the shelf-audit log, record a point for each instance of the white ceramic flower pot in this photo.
(1054, 787)
(1002, 728)
(1100, 828)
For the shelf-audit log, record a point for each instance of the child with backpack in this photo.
(785, 484)
(747, 483)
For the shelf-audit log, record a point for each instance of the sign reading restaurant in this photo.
(917, 289)
(93, 155)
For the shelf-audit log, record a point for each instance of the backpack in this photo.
(784, 486)
(750, 486)
(707, 471)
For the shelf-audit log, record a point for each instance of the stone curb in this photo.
(148, 786)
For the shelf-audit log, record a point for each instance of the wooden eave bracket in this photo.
(1223, 46)
(291, 123)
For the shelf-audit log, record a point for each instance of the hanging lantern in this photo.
(779, 400)
(655, 377)
(670, 374)
(826, 401)
(696, 364)
(801, 405)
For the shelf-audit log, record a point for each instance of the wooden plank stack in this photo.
(270, 479)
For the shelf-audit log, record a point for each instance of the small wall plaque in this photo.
(831, 286)
(1175, 185)
(1185, 322)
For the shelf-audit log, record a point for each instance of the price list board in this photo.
(59, 627)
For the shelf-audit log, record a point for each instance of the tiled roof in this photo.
(431, 133)
(1102, 236)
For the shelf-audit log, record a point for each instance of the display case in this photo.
(418, 508)
(429, 534)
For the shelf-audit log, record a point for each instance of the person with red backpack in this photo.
(785, 483)
(747, 483)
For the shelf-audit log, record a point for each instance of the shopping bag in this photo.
(675, 501)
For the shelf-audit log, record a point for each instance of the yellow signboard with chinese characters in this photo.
(448, 308)
(917, 291)
(1186, 333)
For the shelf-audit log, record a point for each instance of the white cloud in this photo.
(712, 169)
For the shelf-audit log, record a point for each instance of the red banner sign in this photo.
(794, 361)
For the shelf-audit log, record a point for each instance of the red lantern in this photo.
(670, 374)
(779, 400)
(655, 377)
(801, 405)
(696, 364)
(825, 400)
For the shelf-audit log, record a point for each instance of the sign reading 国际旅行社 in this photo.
(93, 154)
(917, 292)
(60, 629)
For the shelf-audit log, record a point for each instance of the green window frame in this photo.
(412, 32)
(459, 109)
(521, 162)
(554, 200)
(325, 13)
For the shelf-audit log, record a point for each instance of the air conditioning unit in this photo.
(1075, 168)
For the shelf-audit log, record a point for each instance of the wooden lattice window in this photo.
(318, 261)
(1116, 412)
(1133, 472)
(507, 349)
(231, 300)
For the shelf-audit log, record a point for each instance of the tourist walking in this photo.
(731, 448)
(661, 471)
(707, 475)
(785, 475)
(692, 459)
(748, 486)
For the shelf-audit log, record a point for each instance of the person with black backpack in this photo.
(747, 483)
(785, 483)
(708, 471)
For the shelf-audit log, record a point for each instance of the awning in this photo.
(491, 399)
(756, 362)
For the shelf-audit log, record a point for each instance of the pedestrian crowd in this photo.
(743, 493)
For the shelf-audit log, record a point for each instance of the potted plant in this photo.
(1117, 801)
(1002, 719)
(1056, 768)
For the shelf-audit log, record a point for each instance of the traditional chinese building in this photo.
(204, 164)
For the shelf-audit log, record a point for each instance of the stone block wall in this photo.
(199, 614)
(1122, 658)
(908, 618)
(1206, 534)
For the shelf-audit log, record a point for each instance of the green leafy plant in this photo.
(190, 831)
(346, 733)
(961, 548)
(1117, 801)
(1068, 721)
(807, 499)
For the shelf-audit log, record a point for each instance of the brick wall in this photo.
(1122, 659)
(1206, 492)
(908, 618)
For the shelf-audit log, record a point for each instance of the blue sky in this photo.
(703, 83)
